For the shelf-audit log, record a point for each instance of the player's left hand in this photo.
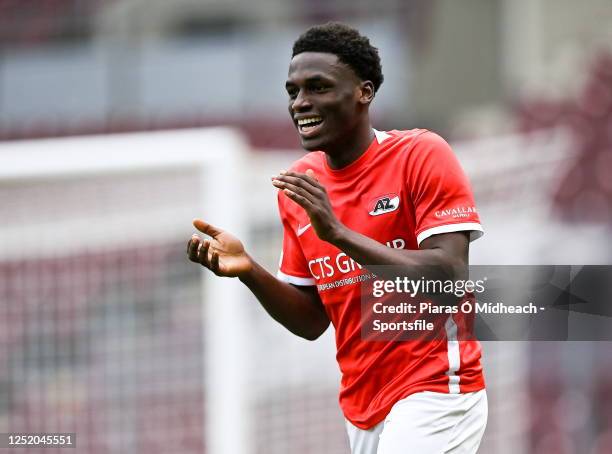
(305, 190)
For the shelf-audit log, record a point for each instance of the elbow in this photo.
(455, 268)
(311, 336)
(450, 267)
(316, 331)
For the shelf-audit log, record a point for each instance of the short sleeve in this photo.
(440, 191)
(293, 266)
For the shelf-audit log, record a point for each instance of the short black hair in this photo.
(351, 48)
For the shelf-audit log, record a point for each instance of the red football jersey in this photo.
(407, 186)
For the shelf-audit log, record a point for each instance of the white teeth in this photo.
(307, 121)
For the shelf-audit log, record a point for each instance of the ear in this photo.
(366, 92)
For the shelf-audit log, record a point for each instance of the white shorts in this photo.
(426, 423)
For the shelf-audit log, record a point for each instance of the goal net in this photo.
(106, 329)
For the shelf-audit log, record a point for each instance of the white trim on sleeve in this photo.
(476, 230)
(294, 279)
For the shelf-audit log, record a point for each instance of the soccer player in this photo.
(366, 197)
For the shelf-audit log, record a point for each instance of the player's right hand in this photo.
(222, 253)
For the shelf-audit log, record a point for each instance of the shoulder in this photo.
(413, 146)
(415, 139)
(406, 141)
(418, 154)
(420, 146)
(431, 140)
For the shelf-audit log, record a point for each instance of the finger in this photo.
(192, 251)
(206, 228)
(308, 177)
(303, 181)
(314, 180)
(214, 262)
(310, 173)
(300, 180)
(296, 190)
(300, 200)
(203, 253)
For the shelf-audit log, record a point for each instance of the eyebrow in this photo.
(314, 78)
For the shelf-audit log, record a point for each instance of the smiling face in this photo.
(327, 101)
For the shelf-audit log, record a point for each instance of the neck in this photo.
(351, 147)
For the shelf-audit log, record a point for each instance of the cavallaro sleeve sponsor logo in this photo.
(456, 212)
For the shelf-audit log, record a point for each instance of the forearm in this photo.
(300, 311)
(436, 262)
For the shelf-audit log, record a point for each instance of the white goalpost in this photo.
(102, 311)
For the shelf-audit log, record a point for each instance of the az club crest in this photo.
(384, 204)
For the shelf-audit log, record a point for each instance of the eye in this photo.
(319, 88)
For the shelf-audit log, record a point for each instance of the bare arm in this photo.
(443, 256)
(299, 309)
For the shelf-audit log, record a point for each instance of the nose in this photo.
(301, 103)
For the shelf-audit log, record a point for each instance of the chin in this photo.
(312, 144)
(311, 147)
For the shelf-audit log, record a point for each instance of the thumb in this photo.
(206, 228)
(311, 174)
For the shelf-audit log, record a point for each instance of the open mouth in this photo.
(309, 125)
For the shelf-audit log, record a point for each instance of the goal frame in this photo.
(219, 156)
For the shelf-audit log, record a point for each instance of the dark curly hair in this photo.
(348, 45)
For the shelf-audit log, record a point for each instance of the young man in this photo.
(366, 197)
